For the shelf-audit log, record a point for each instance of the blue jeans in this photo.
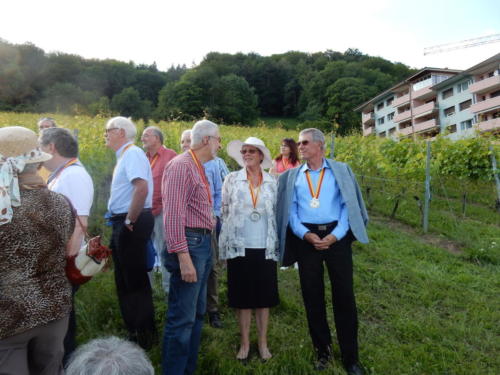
(186, 308)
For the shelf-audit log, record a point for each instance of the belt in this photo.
(118, 217)
(199, 230)
(328, 227)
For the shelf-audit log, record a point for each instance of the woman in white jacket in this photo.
(248, 240)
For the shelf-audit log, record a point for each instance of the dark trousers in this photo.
(37, 351)
(70, 338)
(338, 261)
(131, 277)
(213, 277)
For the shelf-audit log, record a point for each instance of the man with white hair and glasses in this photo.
(320, 212)
(130, 205)
(189, 223)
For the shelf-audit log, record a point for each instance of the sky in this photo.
(176, 32)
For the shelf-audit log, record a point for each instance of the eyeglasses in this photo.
(285, 146)
(248, 150)
(303, 143)
(109, 129)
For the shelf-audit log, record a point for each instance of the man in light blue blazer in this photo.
(320, 212)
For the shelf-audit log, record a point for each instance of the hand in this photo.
(326, 242)
(130, 227)
(188, 272)
(313, 239)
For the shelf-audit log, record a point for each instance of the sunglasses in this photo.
(250, 151)
(110, 129)
(303, 143)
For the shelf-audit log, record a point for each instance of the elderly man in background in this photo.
(158, 156)
(130, 208)
(35, 227)
(189, 223)
(215, 177)
(70, 178)
(46, 122)
(109, 356)
(320, 212)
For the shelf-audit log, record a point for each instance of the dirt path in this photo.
(451, 246)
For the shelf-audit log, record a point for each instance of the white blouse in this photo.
(235, 213)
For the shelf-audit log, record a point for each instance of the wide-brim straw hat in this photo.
(18, 141)
(234, 148)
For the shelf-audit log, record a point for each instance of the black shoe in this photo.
(147, 339)
(355, 369)
(214, 319)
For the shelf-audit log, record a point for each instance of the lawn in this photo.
(422, 310)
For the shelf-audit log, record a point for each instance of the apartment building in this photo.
(434, 101)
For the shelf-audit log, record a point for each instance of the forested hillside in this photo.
(320, 88)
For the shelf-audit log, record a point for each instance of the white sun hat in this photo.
(234, 148)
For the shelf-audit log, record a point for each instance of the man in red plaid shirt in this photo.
(189, 221)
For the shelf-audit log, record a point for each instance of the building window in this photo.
(392, 131)
(465, 105)
(380, 106)
(452, 128)
(390, 116)
(466, 125)
(389, 101)
(447, 93)
(495, 94)
(464, 85)
(450, 111)
(380, 121)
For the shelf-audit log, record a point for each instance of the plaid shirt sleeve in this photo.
(175, 193)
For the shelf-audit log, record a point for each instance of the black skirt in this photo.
(252, 281)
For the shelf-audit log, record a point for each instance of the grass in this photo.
(422, 310)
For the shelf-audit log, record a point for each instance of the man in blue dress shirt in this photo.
(130, 205)
(320, 212)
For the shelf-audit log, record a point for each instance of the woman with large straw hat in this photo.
(248, 240)
(35, 226)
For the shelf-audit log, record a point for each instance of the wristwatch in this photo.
(128, 222)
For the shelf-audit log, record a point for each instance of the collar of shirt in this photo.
(242, 176)
(305, 167)
(160, 152)
(119, 152)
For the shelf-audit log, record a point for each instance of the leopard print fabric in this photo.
(34, 289)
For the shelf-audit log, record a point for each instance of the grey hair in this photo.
(123, 123)
(50, 120)
(317, 136)
(64, 142)
(202, 129)
(186, 132)
(109, 356)
(156, 131)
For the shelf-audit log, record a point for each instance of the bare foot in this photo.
(265, 354)
(243, 353)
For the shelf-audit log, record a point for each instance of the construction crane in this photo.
(462, 44)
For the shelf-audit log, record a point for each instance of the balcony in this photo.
(489, 125)
(485, 85)
(402, 116)
(424, 109)
(402, 100)
(485, 105)
(426, 125)
(368, 131)
(424, 93)
(368, 119)
(406, 131)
